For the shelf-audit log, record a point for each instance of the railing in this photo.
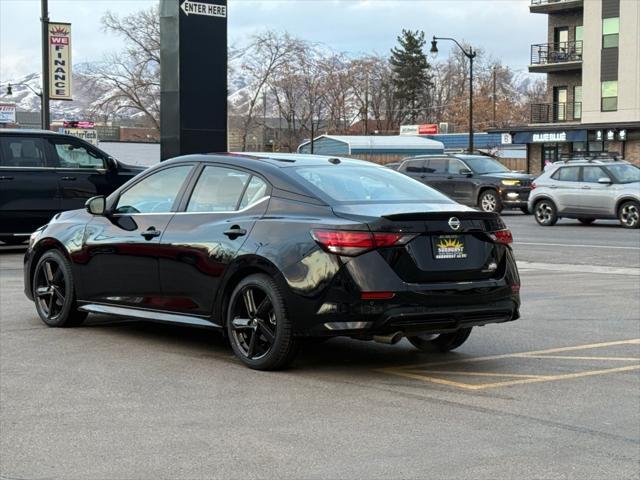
(555, 112)
(557, 52)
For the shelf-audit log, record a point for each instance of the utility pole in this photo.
(44, 19)
(494, 97)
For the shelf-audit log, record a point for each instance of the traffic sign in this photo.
(206, 9)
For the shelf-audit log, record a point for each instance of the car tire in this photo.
(525, 210)
(586, 221)
(13, 240)
(629, 214)
(258, 326)
(490, 201)
(545, 212)
(54, 292)
(444, 342)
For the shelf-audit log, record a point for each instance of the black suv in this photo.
(43, 173)
(473, 180)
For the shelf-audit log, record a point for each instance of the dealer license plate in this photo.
(449, 247)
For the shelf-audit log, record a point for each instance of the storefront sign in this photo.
(622, 135)
(7, 113)
(610, 135)
(86, 134)
(426, 129)
(550, 137)
(505, 139)
(598, 135)
(60, 61)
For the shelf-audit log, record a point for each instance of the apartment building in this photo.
(591, 58)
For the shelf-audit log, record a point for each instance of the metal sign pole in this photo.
(44, 98)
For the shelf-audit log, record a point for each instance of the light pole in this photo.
(470, 54)
(39, 94)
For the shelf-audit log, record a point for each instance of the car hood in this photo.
(510, 175)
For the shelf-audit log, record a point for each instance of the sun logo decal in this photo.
(449, 247)
(450, 243)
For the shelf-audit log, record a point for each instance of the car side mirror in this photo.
(605, 181)
(96, 205)
(466, 171)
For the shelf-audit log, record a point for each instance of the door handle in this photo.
(6, 178)
(68, 179)
(235, 232)
(553, 186)
(586, 187)
(151, 233)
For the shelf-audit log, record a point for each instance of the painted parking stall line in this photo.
(451, 373)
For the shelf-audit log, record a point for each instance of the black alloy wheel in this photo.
(259, 330)
(443, 342)
(490, 201)
(54, 293)
(546, 213)
(586, 221)
(629, 214)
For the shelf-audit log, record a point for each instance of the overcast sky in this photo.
(504, 28)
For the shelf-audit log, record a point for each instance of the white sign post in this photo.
(60, 61)
(206, 9)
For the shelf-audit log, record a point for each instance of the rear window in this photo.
(362, 184)
(567, 174)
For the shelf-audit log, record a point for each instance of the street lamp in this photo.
(39, 94)
(470, 54)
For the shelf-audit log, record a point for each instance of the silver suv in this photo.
(587, 190)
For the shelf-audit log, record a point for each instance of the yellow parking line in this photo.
(634, 341)
(542, 378)
(574, 357)
(478, 374)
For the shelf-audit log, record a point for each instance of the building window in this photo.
(609, 96)
(610, 31)
(577, 102)
(579, 32)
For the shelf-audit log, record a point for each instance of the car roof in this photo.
(27, 131)
(577, 163)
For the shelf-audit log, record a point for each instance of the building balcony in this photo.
(556, 112)
(556, 57)
(553, 6)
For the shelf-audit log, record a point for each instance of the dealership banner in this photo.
(426, 129)
(60, 61)
(7, 113)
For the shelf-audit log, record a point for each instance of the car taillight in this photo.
(352, 243)
(502, 236)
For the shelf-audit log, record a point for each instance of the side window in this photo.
(414, 166)
(156, 193)
(567, 174)
(23, 152)
(74, 155)
(592, 174)
(455, 166)
(438, 165)
(256, 190)
(218, 190)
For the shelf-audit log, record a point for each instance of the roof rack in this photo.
(591, 157)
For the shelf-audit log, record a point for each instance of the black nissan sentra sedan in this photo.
(273, 248)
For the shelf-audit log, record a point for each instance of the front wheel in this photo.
(54, 292)
(443, 342)
(546, 213)
(259, 329)
(629, 214)
(490, 201)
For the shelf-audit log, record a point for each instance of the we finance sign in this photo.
(60, 61)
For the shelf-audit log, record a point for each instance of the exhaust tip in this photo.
(390, 339)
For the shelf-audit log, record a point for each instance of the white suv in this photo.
(587, 190)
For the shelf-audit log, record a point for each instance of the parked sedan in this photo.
(43, 173)
(474, 180)
(273, 248)
(588, 190)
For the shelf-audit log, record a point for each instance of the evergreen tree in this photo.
(411, 78)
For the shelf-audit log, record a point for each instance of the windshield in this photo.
(363, 184)
(484, 165)
(624, 173)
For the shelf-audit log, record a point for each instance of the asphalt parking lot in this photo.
(554, 395)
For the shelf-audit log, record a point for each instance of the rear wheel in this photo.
(12, 240)
(629, 214)
(587, 221)
(54, 292)
(258, 326)
(443, 342)
(490, 201)
(546, 213)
